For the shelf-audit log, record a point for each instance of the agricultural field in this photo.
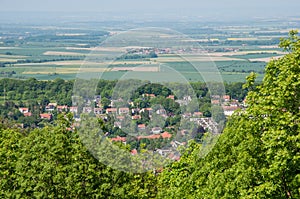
(55, 52)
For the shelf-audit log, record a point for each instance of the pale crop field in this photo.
(193, 58)
(64, 70)
(267, 59)
(140, 69)
(62, 53)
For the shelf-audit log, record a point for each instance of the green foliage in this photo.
(53, 163)
(257, 156)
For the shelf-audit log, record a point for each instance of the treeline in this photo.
(60, 90)
(137, 56)
(36, 95)
(41, 60)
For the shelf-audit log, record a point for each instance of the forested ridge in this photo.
(257, 155)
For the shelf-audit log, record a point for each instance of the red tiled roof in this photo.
(171, 97)
(46, 116)
(23, 109)
(134, 152)
(62, 107)
(28, 114)
(111, 110)
(154, 136)
(166, 135)
(136, 117)
(198, 113)
(119, 139)
(226, 97)
(141, 126)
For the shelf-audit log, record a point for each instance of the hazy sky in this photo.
(144, 8)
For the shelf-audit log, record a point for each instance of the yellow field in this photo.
(267, 59)
(271, 46)
(103, 49)
(140, 69)
(8, 59)
(58, 63)
(244, 52)
(1, 47)
(63, 53)
(13, 56)
(65, 70)
(242, 39)
(193, 58)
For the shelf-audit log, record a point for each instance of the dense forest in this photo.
(257, 155)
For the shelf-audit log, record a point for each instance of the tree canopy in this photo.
(257, 155)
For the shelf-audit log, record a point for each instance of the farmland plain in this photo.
(63, 53)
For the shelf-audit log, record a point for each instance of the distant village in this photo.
(133, 114)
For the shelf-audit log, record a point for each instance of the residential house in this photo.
(187, 115)
(150, 110)
(226, 98)
(123, 110)
(135, 111)
(119, 139)
(171, 97)
(47, 116)
(24, 110)
(98, 111)
(154, 136)
(111, 110)
(87, 109)
(74, 109)
(28, 114)
(97, 99)
(198, 114)
(156, 130)
(134, 152)
(141, 126)
(50, 107)
(118, 124)
(234, 103)
(166, 135)
(164, 152)
(136, 117)
(52, 104)
(161, 112)
(229, 110)
(62, 108)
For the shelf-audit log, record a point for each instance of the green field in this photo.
(231, 70)
(48, 55)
